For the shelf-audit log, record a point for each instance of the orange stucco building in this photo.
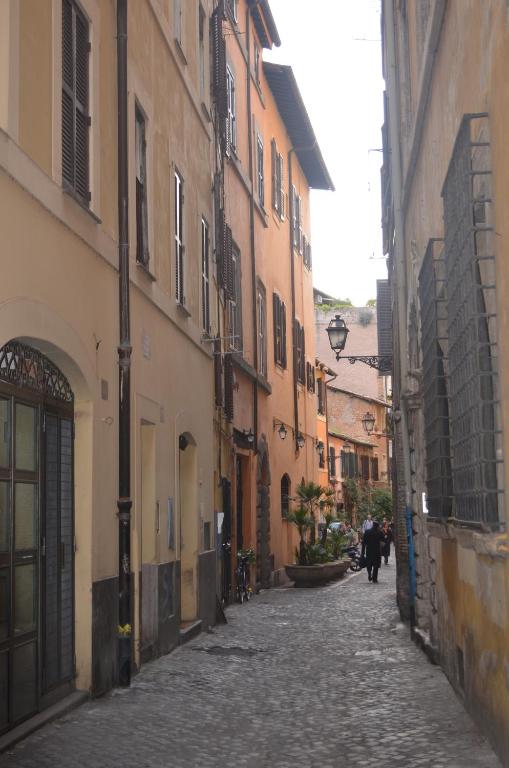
(267, 426)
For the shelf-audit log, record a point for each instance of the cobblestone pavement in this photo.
(295, 680)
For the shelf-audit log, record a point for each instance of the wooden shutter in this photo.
(228, 387)
(274, 159)
(219, 61)
(218, 372)
(384, 317)
(302, 353)
(276, 324)
(374, 468)
(283, 335)
(75, 98)
(365, 467)
(220, 241)
(281, 182)
(228, 269)
(332, 461)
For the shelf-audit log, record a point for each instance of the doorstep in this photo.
(188, 630)
(75, 699)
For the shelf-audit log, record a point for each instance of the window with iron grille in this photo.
(235, 302)
(278, 192)
(261, 329)
(321, 396)
(472, 360)
(231, 116)
(279, 321)
(434, 346)
(374, 468)
(332, 461)
(285, 495)
(260, 172)
(365, 467)
(205, 277)
(179, 237)
(299, 352)
(75, 101)
(142, 253)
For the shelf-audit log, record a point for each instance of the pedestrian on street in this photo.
(371, 550)
(387, 539)
(368, 523)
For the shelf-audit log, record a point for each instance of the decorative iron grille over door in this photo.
(36, 533)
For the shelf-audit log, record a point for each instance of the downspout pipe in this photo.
(399, 281)
(124, 502)
(251, 230)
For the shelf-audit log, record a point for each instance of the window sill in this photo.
(69, 191)
(180, 51)
(145, 271)
(182, 309)
(470, 536)
(264, 384)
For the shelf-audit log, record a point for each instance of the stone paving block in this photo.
(320, 678)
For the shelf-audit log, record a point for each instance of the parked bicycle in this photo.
(245, 557)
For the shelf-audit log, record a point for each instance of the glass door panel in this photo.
(25, 602)
(25, 680)
(5, 433)
(4, 689)
(25, 438)
(4, 603)
(5, 518)
(25, 529)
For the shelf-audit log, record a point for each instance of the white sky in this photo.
(340, 78)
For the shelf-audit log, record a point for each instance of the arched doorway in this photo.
(263, 563)
(36, 533)
(188, 526)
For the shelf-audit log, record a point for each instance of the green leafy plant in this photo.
(300, 518)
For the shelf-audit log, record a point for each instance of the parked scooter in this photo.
(355, 558)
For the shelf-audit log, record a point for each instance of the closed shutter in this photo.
(365, 467)
(302, 354)
(219, 62)
(75, 100)
(384, 318)
(276, 322)
(273, 160)
(228, 387)
(332, 461)
(228, 268)
(281, 190)
(283, 335)
(218, 373)
(344, 465)
(220, 250)
(374, 468)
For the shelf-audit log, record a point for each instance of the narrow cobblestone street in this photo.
(297, 679)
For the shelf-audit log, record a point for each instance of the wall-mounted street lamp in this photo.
(249, 435)
(368, 422)
(346, 447)
(300, 440)
(338, 332)
(282, 431)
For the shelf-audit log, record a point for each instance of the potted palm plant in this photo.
(317, 561)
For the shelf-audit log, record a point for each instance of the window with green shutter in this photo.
(75, 101)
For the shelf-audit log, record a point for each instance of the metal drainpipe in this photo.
(251, 230)
(399, 278)
(124, 502)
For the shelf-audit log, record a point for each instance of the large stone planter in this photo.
(317, 575)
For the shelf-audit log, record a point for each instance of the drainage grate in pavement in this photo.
(234, 650)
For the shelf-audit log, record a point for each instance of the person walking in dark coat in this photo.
(387, 539)
(371, 550)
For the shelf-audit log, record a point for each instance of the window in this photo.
(279, 311)
(332, 461)
(310, 377)
(321, 455)
(142, 254)
(259, 166)
(349, 464)
(296, 220)
(262, 330)
(179, 238)
(257, 58)
(235, 303)
(177, 20)
(285, 495)
(299, 352)
(231, 120)
(278, 192)
(306, 252)
(321, 396)
(201, 40)
(233, 8)
(374, 468)
(75, 96)
(365, 467)
(205, 277)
